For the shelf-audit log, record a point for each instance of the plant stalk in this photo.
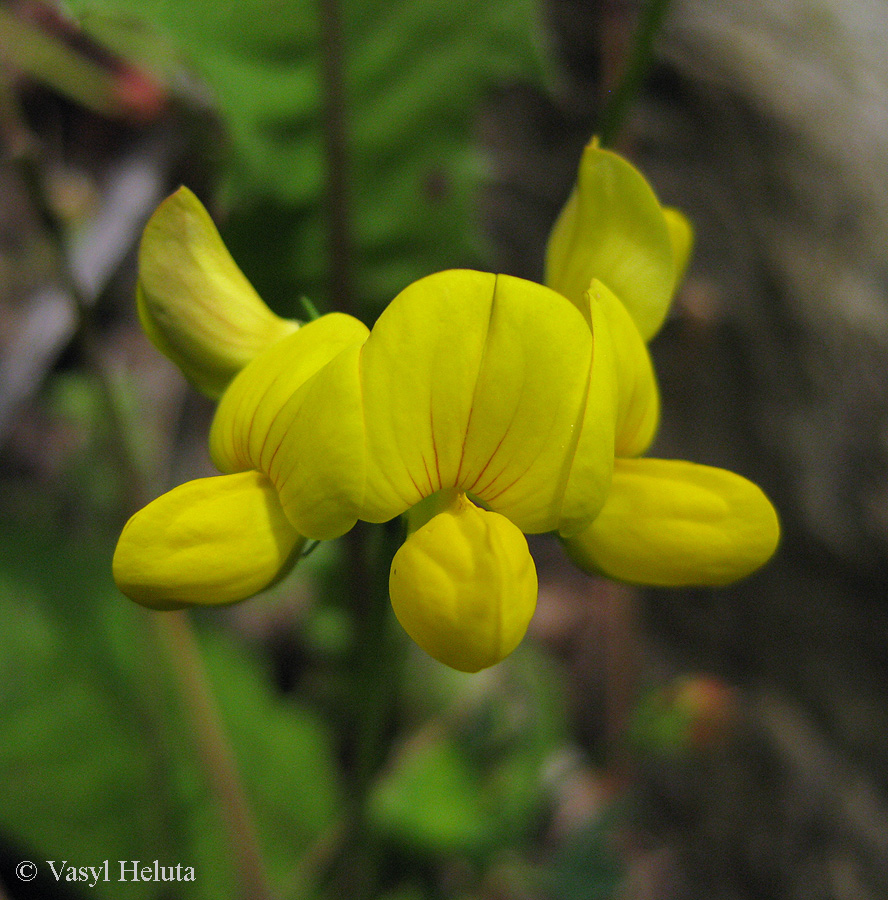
(622, 97)
(341, 254)
(175, 632)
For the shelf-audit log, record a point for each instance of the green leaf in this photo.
(416, 74)
(431, 801)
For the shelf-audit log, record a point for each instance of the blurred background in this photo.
(666, 745)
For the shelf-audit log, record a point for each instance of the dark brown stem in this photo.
(336, 154)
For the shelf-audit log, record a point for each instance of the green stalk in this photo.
(341, 256)
(624, 94)
(376, 667)
(369, 550)
(175, 633)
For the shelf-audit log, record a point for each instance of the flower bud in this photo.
(195, 304)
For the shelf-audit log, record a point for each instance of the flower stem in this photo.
(176, 635)
(377, 662)
(369, 549)
(336, 154)
(615, 111)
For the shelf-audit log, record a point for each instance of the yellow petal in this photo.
(681, 235)
(464, 586)
(195, 304)
(478, 382)
(529, 407)
(418, 373)
(638, 399)
(613, 229)
(383, 425)
(248, 427)
(468, 380)
(670, 523)
(209, 541)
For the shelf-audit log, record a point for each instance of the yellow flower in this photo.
(222, 539)
(664, 522)
(481, 406)
(214, 540)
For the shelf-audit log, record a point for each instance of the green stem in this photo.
(175, 633)
(375, 668)
(369, 549)
(621, 99)
(378, 662)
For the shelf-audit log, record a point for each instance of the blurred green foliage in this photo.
(590, 865)
(415, 76)
(471, 780)
(96, 760)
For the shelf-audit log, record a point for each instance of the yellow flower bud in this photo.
(464, 586)
(195, 304)
(614, 229)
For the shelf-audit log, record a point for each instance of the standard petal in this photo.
(613, 228)
(206, 542)
(670, 523)
(194, 302)
(464, 586)
(529, 405)
(418, 374)
(478, 382)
